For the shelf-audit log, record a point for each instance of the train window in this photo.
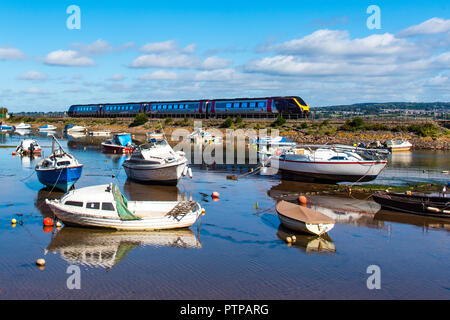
(244, 105)
(252, 104)
(236, 105)
(261, 104)
(175, 106)
(228, 105)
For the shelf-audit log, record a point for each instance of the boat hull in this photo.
(62, 179)
(425, 207)
(165, 222)
(330, 171)
(311, 228)
(112, 148)
(168, 174)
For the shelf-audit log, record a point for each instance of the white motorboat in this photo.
(73, 128)
(154, 135)
(156, 162)
(200, 136)
(47, 128)
(330, 163)
(22, 126)
(105, 206)
(303, 219)
(28, 147)
(269, 146)
(398, 145)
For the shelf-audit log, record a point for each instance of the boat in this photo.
(106, 248)
(60, 170)
(154, 135)
(308, 243)
(335, 163)
(99, 133)
(73, 128)
(120, 143)
(396, 145)
(419, 204)
(47, 127)
(105, 206)
(268, 146)
(28, 147)
(156, 162)
(200, 136)
(22, 126)
(303, 219)
(4, 128)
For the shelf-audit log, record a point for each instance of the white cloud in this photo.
(165, 46)
(159, 75)
(338, 43)
(431, 26)
(97, 47)
(178, 60)
(32, 75)
(190, 48)
(68, 58)
(11, 54)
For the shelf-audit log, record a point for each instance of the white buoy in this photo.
(185, 171)
(190, 173)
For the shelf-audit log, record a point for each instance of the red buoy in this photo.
(303, 200)
(48, 222)
(215, 195)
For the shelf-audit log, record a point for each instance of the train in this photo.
(291, 107)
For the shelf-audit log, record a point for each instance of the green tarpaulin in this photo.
(122, 205)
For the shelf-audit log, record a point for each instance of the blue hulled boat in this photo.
(60, 170)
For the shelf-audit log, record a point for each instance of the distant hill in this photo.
(377, 107)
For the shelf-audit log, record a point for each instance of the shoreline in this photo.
(300, 131)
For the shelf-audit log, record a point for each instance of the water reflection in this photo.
(46, 193)
(342, 209)
(143, 192)
(105, 249)
(401, 159)
(308, 243)
(411, 219)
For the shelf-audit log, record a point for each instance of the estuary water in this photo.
(237, 250)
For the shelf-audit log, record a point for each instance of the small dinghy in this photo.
(398, 145)
(120, 143)
(4, 128)
(28, 147)
(154, 135)
(105, 206)
(73, 128)
(47, 128)
(420, 204)
(156, 162)
(60, 170)
(303, 219)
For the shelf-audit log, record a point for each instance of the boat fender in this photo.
(288, 239)
(48, 222)
(190, 173)
(433, 209)
(185, 171)
(215, 195)
(303, 200)
(446, 211)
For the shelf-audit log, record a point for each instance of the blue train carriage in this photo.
(175, 109)
(122, 110)
(84, 111)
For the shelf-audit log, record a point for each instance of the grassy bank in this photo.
(423, 135)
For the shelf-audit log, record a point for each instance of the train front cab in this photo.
(291, 108)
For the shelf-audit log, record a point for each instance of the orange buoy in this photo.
(303, 200)
(40, 262)
(48, 222)
(215, 195)
(13, 153)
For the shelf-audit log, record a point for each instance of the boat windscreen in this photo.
(124, 139)
(122, 205)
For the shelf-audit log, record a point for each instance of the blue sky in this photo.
(157, 50)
